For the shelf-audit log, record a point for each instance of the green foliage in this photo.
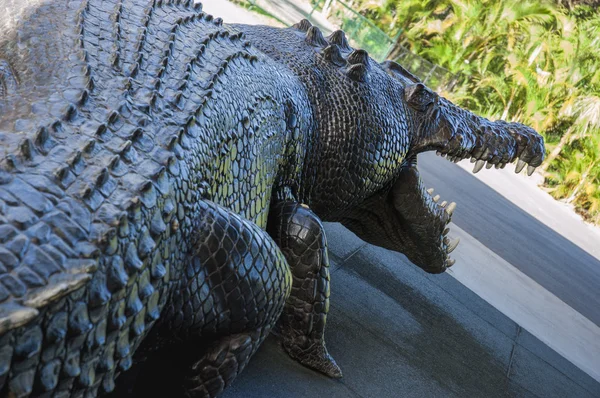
(372, 40)
(521, 60)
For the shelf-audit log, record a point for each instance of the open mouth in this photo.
(424, 217)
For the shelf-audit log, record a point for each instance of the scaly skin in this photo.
(143, 147)
(372, 121)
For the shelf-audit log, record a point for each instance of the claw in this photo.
(520, 165)
(530, 170)
(450, 208)
(478, 166)
(452, 245)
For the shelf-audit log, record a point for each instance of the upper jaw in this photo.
(460, 134)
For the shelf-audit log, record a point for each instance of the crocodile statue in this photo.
(163, 178)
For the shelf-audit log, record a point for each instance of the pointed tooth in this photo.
(478, 166)
(530, 170)
(520, 164)
(488, 165)
(446, 231)
(450, 262)
(452, 245)
(473, 160)
(430, 191)
(436, 198)
(450, 208)
(444, 203)
(446, 241)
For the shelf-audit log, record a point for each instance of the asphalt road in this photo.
(538, 251)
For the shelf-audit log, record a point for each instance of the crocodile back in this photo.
(363, 127)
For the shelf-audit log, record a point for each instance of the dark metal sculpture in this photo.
(146, 148)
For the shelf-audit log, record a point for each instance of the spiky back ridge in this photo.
(90, 180)
(355, 145)
(336, 49)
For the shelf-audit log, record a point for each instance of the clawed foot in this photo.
(315, 357)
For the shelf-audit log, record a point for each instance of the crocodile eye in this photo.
(419, 97)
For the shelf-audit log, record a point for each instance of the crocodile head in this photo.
(407, 217)
(369, 121)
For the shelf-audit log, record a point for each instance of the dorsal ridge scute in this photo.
(359, 57)
(333, 54)
(358, 73)
(315, 38)
(303, 25)
(339, 38)
(397, 69)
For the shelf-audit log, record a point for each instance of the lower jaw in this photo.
(427, 221)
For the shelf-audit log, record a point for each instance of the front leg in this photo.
(231, 292)
(300, 236)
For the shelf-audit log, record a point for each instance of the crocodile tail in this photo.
(78, 160)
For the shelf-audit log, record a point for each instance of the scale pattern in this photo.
(142, 144)
(107, 151)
